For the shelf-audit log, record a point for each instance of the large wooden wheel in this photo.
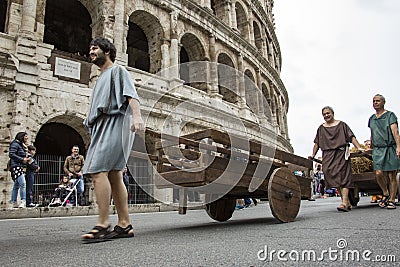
(284, 194)
(221, 210)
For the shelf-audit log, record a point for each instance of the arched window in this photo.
(144, 41)
(191, 54)
(227, 79)
(4, 7)
(67, 26)
(138, 48)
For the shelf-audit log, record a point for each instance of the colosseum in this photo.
(46, 78)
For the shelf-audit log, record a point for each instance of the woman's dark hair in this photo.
(20, 136)
(106, 46)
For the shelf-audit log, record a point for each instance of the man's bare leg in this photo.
(345, 197)
(120, 197)
(381, 180)
(102, 190)
(392, 185)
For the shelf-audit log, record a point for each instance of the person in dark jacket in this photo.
(31, 170)
(18, 163)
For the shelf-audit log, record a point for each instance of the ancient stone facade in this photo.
(40, 96)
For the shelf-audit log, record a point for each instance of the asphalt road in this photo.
(252, 237)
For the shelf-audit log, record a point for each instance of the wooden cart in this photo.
(215, 158)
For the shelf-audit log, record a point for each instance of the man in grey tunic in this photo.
(385, 142)
(113, 119)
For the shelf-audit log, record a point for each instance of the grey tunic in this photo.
(109, 120)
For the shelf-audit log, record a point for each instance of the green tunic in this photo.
(384, 145)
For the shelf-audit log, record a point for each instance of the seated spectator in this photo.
(61, 191)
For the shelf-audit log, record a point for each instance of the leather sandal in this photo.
(343, 208)
(390, 205)
(98, 232)
(120, 232)
(384, 201)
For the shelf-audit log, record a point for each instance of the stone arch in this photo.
(144, 41)
(227, 78)
(257, 36)
(251, 90)
(192, 50)
(58, 134)
(67, 26)
(241, 20)
(219, 9)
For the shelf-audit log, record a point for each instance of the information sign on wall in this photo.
(67, 68)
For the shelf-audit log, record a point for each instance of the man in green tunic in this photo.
(385, 142)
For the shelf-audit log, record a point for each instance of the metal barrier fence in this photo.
(51, 173)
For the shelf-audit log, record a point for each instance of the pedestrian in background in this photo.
(18, 154)
(31, 170)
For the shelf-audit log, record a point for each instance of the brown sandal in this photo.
(390, 205)
(343, 208)
(120, 232)
(384, 201)
(98, 232)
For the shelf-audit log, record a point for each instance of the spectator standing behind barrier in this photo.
(126, 179)
(18, 162)
(333, 138)
(31, 170)
(321, 181)
(385, 142)
(73, 168)
(113, 93)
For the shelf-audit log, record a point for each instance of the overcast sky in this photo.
(338, 53)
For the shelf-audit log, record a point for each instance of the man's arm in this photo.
(395, 132)
(66, 170)
(137, 121)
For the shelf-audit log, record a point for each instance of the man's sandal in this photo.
(98, 233)
(390, 205)
(343, 208)
(120, 232)
(384, 201)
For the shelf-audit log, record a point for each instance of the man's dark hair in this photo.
(31, 148)
(106, 46)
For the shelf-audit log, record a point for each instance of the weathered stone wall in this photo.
(31, 95)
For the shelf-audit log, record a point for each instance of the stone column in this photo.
(264, 48)
(228, 13)
(259, 95)
(119, 29)
(206, 4)
(271, 55)
(233, 14)
(165, 59)
(28, 16)
(251, 29)
(174, 48)
(241, 87)
(213, 88)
